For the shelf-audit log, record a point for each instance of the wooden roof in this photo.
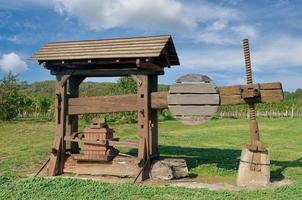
(152, 47)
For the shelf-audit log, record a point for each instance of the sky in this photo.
(207, 34)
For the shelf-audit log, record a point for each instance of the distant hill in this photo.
(47, 88)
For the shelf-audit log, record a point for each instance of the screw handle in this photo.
(247, 58)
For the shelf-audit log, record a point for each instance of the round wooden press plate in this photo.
(193, 99)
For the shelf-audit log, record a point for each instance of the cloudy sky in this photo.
(207, 34)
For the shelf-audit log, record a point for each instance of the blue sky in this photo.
(207, 34)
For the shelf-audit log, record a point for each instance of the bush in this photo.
(9, 97)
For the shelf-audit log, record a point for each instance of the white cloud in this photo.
(280, 52)
(277, 53)
(201, 22)
(148, 14)
(245, 30)
(12, 63)
(212, 59)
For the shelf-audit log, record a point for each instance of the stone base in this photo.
(168, 169)
(260, 176)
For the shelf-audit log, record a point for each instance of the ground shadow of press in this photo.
(223, 158)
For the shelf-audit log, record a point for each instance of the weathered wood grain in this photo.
(193, 110)
(229, 95)
(236, 89)
(52, 167)
(159, 100)
(193, 99)
(143, 123)
(205, 88)
(102, 104)
(197, 78)
(140, 47)
(122, 143)
(267, 96)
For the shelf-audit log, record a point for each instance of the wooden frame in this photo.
(143, 57)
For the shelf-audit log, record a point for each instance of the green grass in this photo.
(211, 151)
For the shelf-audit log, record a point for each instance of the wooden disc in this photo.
(193, 99)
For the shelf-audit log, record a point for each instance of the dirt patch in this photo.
(122, 170)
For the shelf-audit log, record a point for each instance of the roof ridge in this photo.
(111, 39)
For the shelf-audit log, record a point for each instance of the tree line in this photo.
(20, 100)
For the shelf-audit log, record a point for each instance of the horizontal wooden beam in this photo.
(232, 95)
(125, 143)
(102, 104)
(105, 72)
(229, 95)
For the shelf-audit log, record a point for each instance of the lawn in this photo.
(212, 152)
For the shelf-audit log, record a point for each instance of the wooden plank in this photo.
(113, 41)
(230, 90)
(124, 143)
(106, 72)
(118, 103)
(236, 89)
(271, 86)
(102, 104)
(197, 78)
(231, 99)
(97, 56)
(188, 88)
(267, 96)
(99, 50)
(121, 166)
(159, 100)
(193, 99)
(194, 110)
(103, 52)
(105, 46)
(129, 144)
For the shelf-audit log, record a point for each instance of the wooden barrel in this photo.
(193, 99)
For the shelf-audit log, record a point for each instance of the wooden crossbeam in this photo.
(90, 72)
(125, 143)
(269, 92)
(229, 95)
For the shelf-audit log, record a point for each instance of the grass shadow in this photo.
(227, 159)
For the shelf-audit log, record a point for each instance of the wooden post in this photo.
(147, 123)
(57, 158)
(153, 132)
(143, 117)
(73, 90)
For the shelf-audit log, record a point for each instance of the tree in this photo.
(9, 97)
(125, 85)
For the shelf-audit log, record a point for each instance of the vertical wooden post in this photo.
(143, 116)
(73, 90)
(57, 158)
(153, 132)
(147, 123)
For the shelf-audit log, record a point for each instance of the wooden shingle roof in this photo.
(137, 47)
